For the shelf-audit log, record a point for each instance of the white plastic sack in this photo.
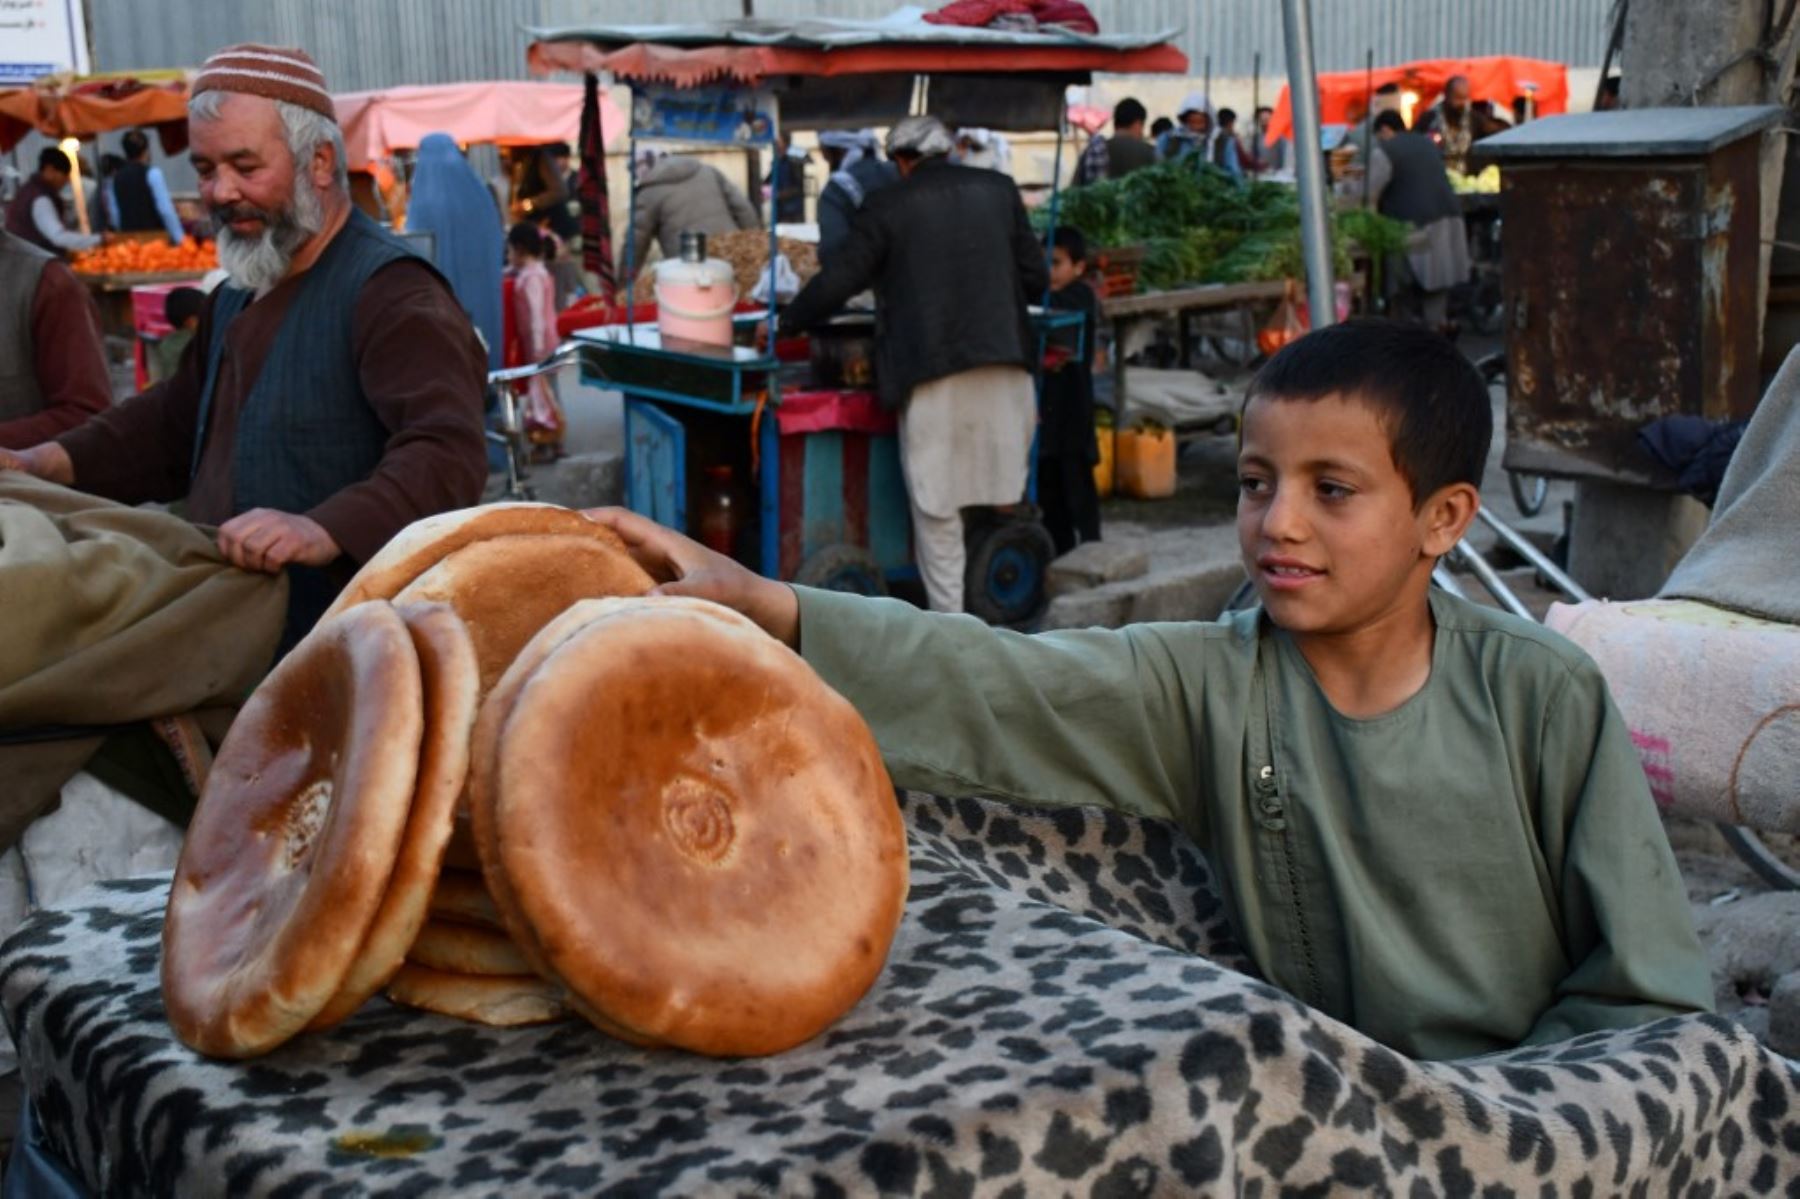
(1712, 700)
(786, 282)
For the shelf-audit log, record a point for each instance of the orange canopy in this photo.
(1499, 78)
(61, 106)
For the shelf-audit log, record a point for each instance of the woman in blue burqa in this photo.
(450, 201)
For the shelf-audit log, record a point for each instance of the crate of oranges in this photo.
(133, 257)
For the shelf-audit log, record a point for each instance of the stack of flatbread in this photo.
(501, 782)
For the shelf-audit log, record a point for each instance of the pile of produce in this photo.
(1199, 225)
(150, 257)
(1485, 183)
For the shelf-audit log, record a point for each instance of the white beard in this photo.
(259, 263)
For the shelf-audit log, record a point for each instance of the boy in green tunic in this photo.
(1427, 815)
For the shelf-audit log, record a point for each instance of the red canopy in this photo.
(647, 61)
(376, 123)
(1498, 78)
(61, 106)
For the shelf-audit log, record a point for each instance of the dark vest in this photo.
(1419, 191)
(18, 213)
(137, 205)
(21, 266)
(307, 431)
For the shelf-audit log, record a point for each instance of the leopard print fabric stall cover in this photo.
(1063, 1013)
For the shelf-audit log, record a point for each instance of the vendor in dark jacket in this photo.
(951, 257)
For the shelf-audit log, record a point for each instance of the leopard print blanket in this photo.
(1063, 1012)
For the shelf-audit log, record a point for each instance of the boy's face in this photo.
(1063, 269)
(1327, 525)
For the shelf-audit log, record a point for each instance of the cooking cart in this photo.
(805, 460)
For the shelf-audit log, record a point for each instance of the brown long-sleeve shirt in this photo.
(419, 363)
(68, 356)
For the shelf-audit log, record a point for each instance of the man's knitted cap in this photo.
(275, 72)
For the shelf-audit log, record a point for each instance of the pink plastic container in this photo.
(694, 300)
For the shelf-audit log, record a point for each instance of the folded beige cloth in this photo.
(111, 615)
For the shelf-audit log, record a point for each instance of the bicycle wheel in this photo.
(1528, 492)
(1757, 856)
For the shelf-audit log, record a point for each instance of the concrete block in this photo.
(1784, 1016)
(1098, 607)
(1095, 564)
(1193, 594)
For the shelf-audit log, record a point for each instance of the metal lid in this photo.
(1629, 133)
(693, 246)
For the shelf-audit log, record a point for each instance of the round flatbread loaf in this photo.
(424, 543)
(507, 588)
(451, 682)
(466, 949)
(291, 849)
(461, 897)
(725, 868)
(504, 1002)
(484, 745)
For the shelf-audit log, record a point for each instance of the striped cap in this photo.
(276, 72)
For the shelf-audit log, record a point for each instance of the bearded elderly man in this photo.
(333, 391)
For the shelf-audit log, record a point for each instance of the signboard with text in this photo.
(41, 37)
(736, 116)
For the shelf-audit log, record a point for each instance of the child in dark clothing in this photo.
(1067, 449)
(181, 308)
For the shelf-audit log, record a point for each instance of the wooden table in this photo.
(1182, 304)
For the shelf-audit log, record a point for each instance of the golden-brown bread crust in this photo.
(424, 543)
(291, 849)
(483, 745)
(462, 897)
(451, 681)
(498, 1000)
(507, 588)
(724, 871)
(466, 949)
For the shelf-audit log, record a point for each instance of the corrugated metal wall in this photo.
(372, 43)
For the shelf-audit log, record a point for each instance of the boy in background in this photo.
(1427, 816)
(181, 309)
(1067, 448)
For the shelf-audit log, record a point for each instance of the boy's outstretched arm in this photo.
(1098, 717)
(1627, 928)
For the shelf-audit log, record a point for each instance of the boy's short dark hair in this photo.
(1431, 398)
(1128, 112)
(1390, 120)
(1161, 126)
(1262, 108)
(1070, 241)
(52, 159)
(1227, 115)
(135, 144)
(181, 305)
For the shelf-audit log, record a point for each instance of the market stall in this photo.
(792, 466)
(378, 123)
(1495, 79)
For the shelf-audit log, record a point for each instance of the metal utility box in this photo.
(1630, 260)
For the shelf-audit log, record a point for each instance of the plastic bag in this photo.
(1287, 323)
(787, 282)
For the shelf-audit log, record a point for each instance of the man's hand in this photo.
(48, 461)
(266, 540)
(685, 567)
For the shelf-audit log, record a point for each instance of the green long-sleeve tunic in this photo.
(1482, 866)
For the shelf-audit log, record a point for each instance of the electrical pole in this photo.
(1309, 163)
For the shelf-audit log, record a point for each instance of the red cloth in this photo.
(979, 14)
(825, 411)
(596, 203)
